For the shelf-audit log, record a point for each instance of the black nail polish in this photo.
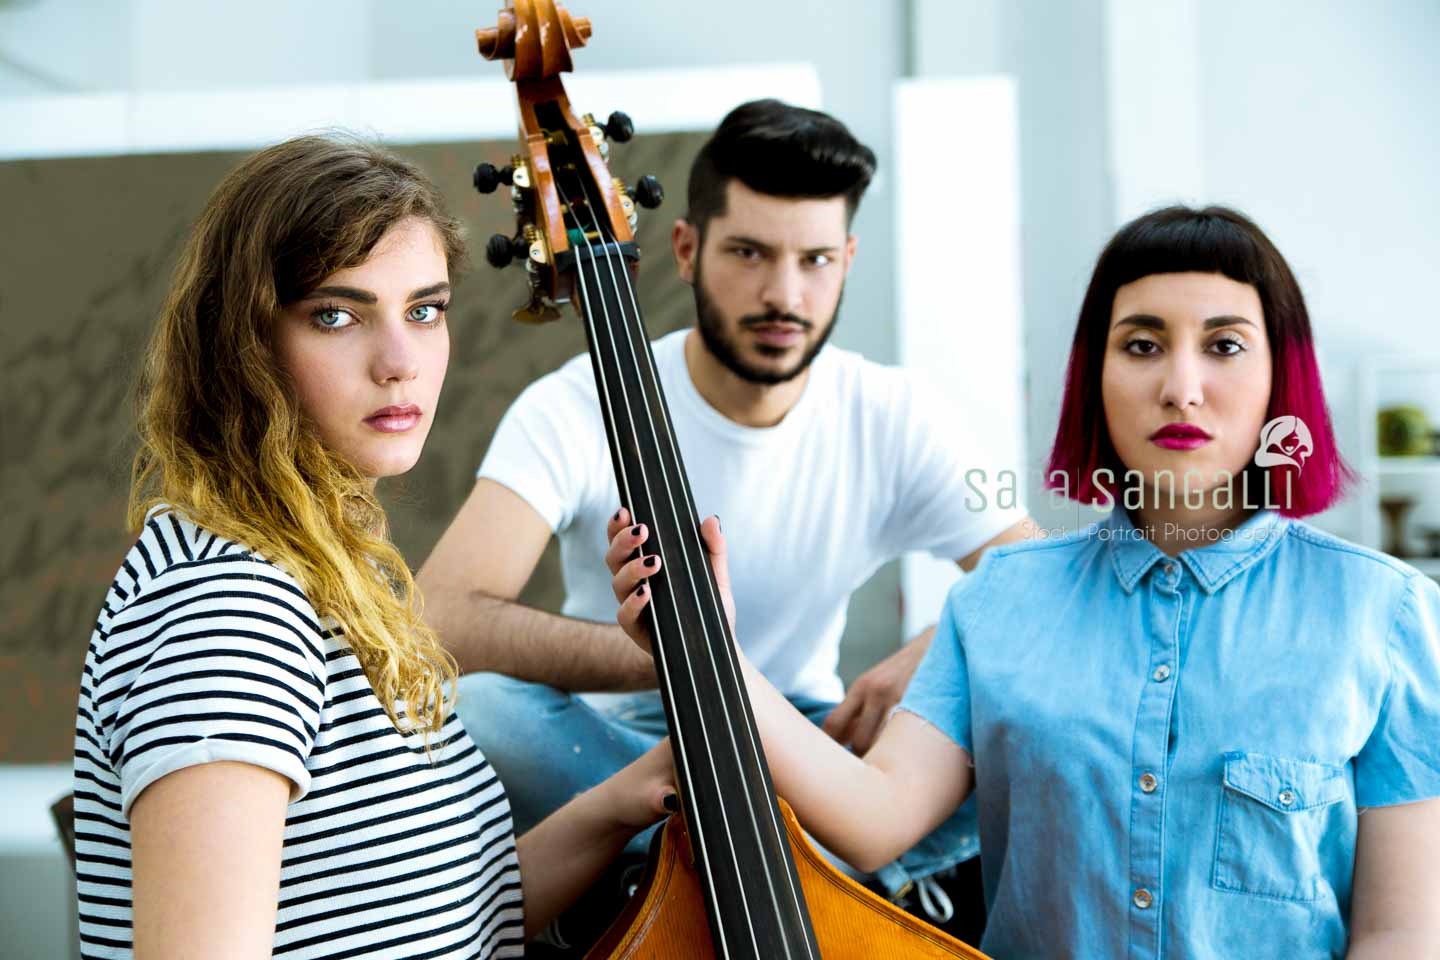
(617, 515)
(718, 525)
(671, 802)
(635, 530)
(652, 562)
(640, 590)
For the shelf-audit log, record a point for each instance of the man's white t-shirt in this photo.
(866, 466)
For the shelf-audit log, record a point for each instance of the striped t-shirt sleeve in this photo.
(214, 659)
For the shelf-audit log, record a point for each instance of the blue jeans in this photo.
(548, 745)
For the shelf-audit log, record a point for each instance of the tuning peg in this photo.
(647, 192)
(488, 176)
(618, 127)
(501, 250)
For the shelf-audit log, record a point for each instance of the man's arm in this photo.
(470, 582)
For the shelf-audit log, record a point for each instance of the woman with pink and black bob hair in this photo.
(1217, 241)
(1200, 727)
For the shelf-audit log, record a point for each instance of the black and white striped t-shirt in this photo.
(205, 652)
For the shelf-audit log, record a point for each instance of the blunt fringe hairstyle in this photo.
(1214, 239)
(222, 439)
(782, 151)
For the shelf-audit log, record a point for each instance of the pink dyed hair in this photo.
(1212, 240)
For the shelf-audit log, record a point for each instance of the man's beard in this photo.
(725, 347)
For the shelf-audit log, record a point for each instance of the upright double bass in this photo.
(732, 875)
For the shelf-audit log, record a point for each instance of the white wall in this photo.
(958, 315)
(1322, 119)
(1055, 53)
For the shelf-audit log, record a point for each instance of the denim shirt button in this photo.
(1148, 783)
(1161, 674)
(1287, 798)
(1170, 570)
(1142, 899)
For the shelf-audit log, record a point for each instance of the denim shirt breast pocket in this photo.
(1274, 818)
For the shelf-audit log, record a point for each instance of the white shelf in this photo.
(1394, 466)
(1382, 475)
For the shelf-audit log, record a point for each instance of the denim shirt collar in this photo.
(1213, 564)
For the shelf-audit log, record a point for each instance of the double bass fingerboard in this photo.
(755, 905)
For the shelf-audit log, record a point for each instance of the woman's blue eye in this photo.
(333, 318)
(426, 312)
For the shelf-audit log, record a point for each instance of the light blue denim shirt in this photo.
(1171, 755)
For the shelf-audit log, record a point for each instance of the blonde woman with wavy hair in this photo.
(267, 759)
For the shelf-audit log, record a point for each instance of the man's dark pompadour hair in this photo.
(782, 151)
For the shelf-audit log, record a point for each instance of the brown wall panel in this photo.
(85, 258)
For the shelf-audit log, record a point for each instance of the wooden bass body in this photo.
(665, 920)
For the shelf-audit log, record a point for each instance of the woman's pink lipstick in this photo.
(1180, 436)
(394, 419)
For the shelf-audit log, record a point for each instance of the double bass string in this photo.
(659, 545)
(676, 505)
(625, 396)
(729, 654)
(604, 391)
(679, 622)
